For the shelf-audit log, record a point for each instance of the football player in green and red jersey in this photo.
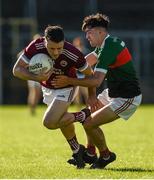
(121, 97)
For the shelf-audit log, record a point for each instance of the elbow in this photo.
(97, 84)
(92, 84)
(15, 72)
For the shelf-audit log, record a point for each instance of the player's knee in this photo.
(66, 120)
(49, 123)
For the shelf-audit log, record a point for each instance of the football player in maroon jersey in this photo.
(67, 59)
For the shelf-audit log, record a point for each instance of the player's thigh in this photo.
(100, 117)
(55, 111)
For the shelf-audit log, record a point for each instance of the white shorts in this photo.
(123, 107)
(65, 94)
(33, 83)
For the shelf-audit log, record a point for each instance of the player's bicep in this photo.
(91, 59)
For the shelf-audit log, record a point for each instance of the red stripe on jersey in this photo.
(123, 57)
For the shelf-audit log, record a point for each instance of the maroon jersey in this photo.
(70, 60)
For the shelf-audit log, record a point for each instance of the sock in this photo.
(91, 150)
(82, 115)
(74, 145)
(105, 154)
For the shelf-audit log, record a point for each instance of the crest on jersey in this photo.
(63, 63)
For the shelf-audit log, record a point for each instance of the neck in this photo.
(102, 39)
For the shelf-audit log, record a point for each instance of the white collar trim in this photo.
(102, 45)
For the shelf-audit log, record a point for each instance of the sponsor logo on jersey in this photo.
(57, 71)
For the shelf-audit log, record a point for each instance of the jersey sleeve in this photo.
(29, 51)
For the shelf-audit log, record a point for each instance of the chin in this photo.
(53, 57)
(92, 45)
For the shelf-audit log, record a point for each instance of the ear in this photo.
(100, 32)
(45, 42)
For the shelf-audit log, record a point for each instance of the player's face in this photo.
(93, 36)
(54, 49)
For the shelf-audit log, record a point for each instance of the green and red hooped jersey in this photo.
(115, 60)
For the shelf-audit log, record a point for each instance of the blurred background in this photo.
(21, 19)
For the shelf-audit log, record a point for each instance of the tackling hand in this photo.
(94, 104)
(60, 81)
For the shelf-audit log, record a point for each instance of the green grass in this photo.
(28, 150)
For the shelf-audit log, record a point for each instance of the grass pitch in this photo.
(28, 150)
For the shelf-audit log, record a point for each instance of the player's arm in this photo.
(88, 72)
(94, 80)
(21, 71)
(91, 58)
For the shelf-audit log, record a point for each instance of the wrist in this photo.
(70, 81)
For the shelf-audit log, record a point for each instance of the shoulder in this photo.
(114, 41)
(37, 43)
(70, 49)
(114, 44)
(35, 47)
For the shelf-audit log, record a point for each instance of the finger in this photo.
(92, 108)
(59, 77)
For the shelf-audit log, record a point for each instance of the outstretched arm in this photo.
(90, 81)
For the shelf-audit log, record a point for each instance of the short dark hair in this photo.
(96, 20)
(54, 33)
